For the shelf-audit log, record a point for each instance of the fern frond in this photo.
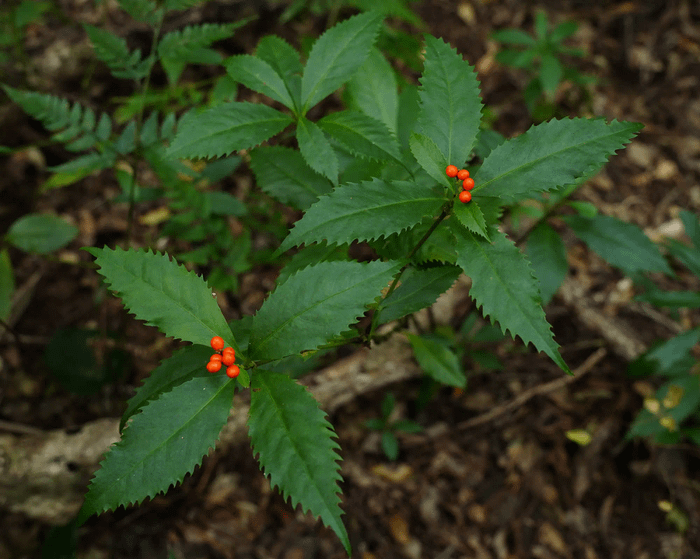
(141, 10)
(113, 51)
(191, 45)
(75, 126)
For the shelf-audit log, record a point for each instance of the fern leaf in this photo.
(70, 124)
(551, 155)
(283, 174)
(141, 10)
(225, 128)
(362, 135)
(161, 445)
(164, 294)
(316, 149)
(336, 56)
(189, 45)
(450, 111)
(295, 447)
(418, 289)
(113, 51)
(363, 212)
(315, 304)
(505, 288)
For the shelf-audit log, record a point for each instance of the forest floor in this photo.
(508, 485)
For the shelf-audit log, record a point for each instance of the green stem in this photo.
(443, 215)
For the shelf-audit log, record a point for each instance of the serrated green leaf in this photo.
(363, 212)
(437, 360)
(279, 54)
(225, 128)
(373, 90)
(295, 447)
(450, 104)
(316, 149)
(548, 257)
(505, 289)
(430, 158)
(182, 366)
(258, 75)
(621, 244)
(161, 445)
(7, 284)
(471, 216)
(40, 233)
(315, 304)
(284, 175)
(336, 56)
(362, 135)
(551, 155)
(313, 254)
(164, 294)
(418, 289)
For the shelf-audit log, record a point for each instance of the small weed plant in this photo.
(540, 56)
(378, 172)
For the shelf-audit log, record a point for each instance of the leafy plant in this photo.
(673, 411)
(540, 56)
(389, 427)
(359, 179)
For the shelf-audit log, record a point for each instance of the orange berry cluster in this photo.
(467, 182)
(226, 357)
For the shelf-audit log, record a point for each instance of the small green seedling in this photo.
(388, 427)
(540, 55)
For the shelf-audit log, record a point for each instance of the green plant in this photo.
(357, 181)
(672, 413)
(540, 56)
(389, 427)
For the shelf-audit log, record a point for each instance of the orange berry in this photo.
(463, 174)
(451, 171)
(233, 371)
(215, 357)
(465, 196)
(229, 358)
(468, 184)
(217, 343)
(214, 366)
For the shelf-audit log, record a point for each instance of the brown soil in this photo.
(511, 487)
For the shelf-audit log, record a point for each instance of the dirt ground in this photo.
(473, 484)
